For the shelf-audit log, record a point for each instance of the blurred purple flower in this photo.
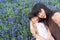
(19, 35)
(2, 27)
(13, 7)
(13, 30)
(0, 21)
(16, 21)
(22, 15)
(6, 22)
(22, 37)
(27, 24)
(0, 11)
(12, 24)
(53, 7)
(19, 38)
(1, 1)
(9, 31)
(14, 1)
(22, 22)
(38, 1)
(17, 11)
(23, 5)
(12, 19)
(5, 11)
(2, 34)
(19, 27)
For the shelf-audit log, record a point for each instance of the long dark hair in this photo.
(49, 13)
(37, 8)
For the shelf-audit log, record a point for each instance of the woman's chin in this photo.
(44, 17)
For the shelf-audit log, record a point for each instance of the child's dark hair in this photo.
(31, 15)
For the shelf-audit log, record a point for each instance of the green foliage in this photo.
(14, 17)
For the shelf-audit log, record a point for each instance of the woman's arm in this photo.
(50, 37)
(56, 18)
(34, 32)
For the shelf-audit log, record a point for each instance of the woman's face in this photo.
(42, 14)
(35, 19)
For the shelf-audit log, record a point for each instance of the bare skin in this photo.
(42, 14)
(34, 31)
(56, 18)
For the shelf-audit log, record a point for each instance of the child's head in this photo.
(34, 18)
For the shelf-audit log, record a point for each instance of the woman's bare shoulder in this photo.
(56, 15)
(56, 18)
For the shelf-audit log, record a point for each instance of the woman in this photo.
(49, 18)
(36, 29)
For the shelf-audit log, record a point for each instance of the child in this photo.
(39, 30)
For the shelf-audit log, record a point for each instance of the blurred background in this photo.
(14, 22)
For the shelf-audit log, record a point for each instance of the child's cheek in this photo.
(33, 21)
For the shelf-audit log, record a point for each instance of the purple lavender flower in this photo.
(9, 31)
(1, 1)
(0, 21)
(19, 27)
(0, 11)
(12, 19)
(38, 1)
(52, 7)
(14, 1)
(6, 22)
(19, 38)
(13, 30)
(22, 22)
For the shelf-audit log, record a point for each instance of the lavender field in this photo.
(14, 21)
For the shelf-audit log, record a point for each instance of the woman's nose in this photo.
(40, 15)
